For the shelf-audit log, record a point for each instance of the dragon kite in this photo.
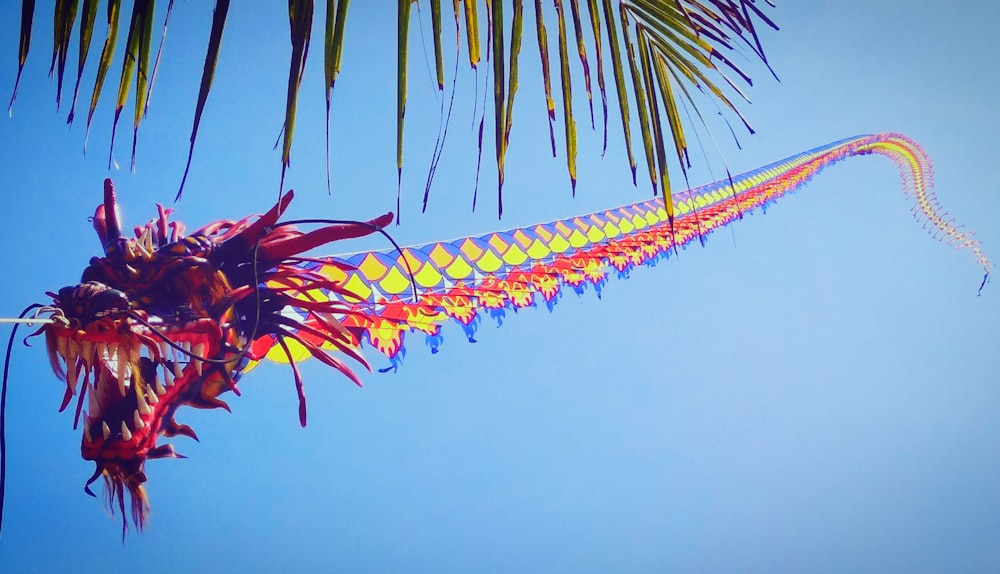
(166, 319)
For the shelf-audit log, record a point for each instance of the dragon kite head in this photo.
(165, 320)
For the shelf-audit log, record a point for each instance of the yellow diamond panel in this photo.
(577, 239)
(372, 268)
(440, 256)
(460, 269)
(358, 286)
(515, 256)
(538, 250)
(489, 262)
(470, 249)
(498, 243)
(428, 276)
(394, 282)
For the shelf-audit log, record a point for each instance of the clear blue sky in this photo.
(815, 391)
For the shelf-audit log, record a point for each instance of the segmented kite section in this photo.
(422, 288)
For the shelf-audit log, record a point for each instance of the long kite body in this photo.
(462, 279)
(166, 319)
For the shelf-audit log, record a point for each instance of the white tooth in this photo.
(178, 371)
(93, 404)
(140, 399)
(124, 371)
(62, 347)
(86, 433)
(112, 358)
(106, 430)
(139, 425)
(163, 349)
(153, 399)
(126, 434)
(87, 350)
(199, 352)
(158, 385)
(71, 374)
(121, 376)
(168, 376)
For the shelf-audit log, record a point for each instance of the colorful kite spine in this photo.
(422, 288)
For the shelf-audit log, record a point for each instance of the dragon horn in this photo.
(107, 217)
(289, 246)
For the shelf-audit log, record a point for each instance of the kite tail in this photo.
(469, 279)
(917, 173)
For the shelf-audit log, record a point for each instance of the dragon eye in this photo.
(108, 302)
(92, 300)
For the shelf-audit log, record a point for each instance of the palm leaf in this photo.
(136, 50)
(336, 18)
(673, 48)
(639, 90)
(144, 77)
(498, 95)
(472, 31)
(567, 90)
(63, 19)
(207, 76)
(24, 44)
(581, 49)
(114, 9)
(300, 17)
(403, 32)
(595, 24)
(87, 21)
(156, 63)
(616, 68)
(543, 51)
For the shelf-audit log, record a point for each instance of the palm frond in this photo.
(673, 49)
(87, 22)
(207, 76)
(336, 18)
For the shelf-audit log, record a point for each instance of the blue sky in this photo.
(814, 391)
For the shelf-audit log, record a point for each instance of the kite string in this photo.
(3, 396)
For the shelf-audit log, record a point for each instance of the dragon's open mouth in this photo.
(131, 385)
(166, 320)
(133, 372)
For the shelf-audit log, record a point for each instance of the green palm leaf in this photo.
(673, 49)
